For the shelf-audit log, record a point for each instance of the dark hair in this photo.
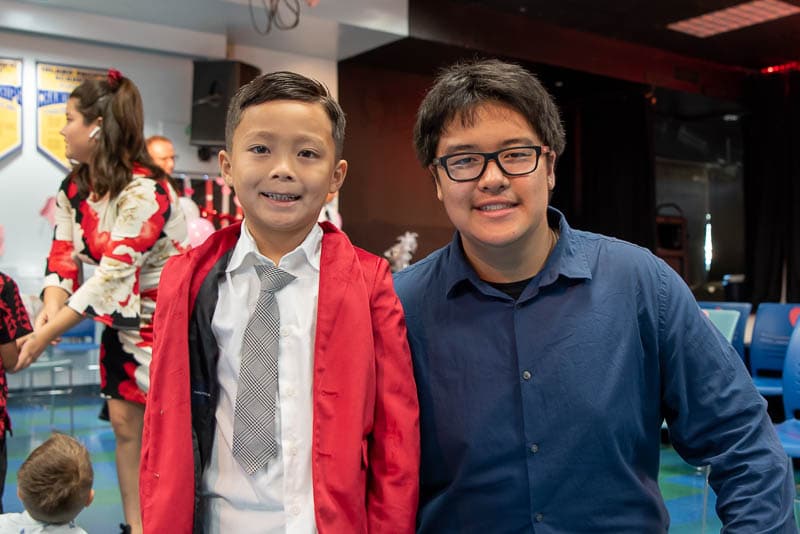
(461, 88)
(120, 142)
(56, 479)
(283, 85)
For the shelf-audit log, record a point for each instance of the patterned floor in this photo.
(681, 484)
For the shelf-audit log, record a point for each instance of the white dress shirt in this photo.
(278, 498)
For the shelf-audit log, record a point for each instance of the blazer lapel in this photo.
(338, 264)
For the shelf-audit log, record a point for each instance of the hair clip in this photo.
(114, 77)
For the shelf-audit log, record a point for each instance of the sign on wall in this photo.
(54, 83)
(10, 106)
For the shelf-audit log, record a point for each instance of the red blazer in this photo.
(365, 452)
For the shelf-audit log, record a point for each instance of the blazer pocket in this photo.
(364, 454)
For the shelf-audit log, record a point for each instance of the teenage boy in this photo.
(282, 396)
(546, 358)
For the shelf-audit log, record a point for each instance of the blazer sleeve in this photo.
(394, 454)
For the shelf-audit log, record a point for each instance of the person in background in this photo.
(54, 485)
(546, 358)
(162, 152)
(118, 211)
(282, 392)
(14, 325)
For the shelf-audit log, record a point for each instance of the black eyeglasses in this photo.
(513, 161)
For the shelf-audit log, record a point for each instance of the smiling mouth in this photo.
(281, 197)
(495, 207)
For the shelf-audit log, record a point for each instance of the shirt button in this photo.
(295, 510)
(290, 392)
(284, 331)
(526, 375)
(538, 518)
(534, 448)
(293, 451)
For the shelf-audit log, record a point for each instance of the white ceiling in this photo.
(333, 29)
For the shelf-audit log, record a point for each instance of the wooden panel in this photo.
(386, 192)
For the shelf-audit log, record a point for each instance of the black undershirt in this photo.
(512, 289)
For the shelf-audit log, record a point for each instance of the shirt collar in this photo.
(246, 254)
(568, 259)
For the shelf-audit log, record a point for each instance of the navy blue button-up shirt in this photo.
(543, 414)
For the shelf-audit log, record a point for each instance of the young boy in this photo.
(286, 409)
(54, 484)
(14, 324)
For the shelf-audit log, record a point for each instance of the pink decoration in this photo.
(209, 195)
(312, 3)
(48, 211)
(199, 230)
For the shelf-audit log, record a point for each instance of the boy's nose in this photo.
(282, 169)
(492, 178)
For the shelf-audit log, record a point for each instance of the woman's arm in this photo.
(34, 345)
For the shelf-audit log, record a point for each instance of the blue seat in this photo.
(744, 312)
(725, 321)
(789, 430)
(771, 332)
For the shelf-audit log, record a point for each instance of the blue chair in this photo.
(725, 321)
(789, 430)
(744, 312)
(771, 332)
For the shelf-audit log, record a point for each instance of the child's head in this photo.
(284, 136)
(283, 85)
(55, 481)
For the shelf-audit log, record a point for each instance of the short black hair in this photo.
(284, 85)
(461, 88)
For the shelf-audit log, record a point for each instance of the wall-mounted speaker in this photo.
(215, 83)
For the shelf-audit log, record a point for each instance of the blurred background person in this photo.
(162, 151)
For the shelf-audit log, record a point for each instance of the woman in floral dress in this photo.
(116, 210)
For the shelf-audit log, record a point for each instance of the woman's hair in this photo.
(56, 479)
(120, 141)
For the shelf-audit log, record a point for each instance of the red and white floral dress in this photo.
(129, 238)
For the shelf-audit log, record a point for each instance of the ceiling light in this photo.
(734, 18)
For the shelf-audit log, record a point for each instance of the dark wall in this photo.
(386, 192)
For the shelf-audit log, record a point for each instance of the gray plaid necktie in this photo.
(254, 415)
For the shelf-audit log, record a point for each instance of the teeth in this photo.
(494, 207)
(283, 198)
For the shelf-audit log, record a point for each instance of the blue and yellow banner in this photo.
(10, 106)
(54, 83)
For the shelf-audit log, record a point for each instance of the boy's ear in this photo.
(225, 166)
(339, 172)
(91, 497)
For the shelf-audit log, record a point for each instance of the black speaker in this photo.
(215, 83)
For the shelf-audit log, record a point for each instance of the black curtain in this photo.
(606, 179)
(772, 192)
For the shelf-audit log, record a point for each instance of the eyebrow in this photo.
(517, 141)
(271, 135)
